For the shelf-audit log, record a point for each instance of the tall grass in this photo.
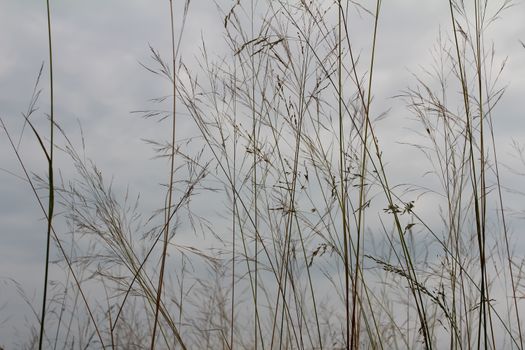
(315, 245)
(51, 202)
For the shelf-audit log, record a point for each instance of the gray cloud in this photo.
(97, 47)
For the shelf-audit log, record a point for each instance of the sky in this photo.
(98, 48)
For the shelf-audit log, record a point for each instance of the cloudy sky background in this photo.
(98, 81)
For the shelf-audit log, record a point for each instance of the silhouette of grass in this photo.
(312, 243)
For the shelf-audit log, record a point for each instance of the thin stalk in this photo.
(465, 95)
(362, 192)
(341, 172)
(170, 184)
(292, 214)
(505, 232)
(484, 298)
(234, 198)
(51, 200)
(255, 191)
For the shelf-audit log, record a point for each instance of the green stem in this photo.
(51, 202)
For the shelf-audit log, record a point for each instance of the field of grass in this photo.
(289, 218)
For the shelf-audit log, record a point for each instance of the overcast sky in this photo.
(97, 47)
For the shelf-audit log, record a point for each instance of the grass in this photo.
(315, 245)
(51, 202)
